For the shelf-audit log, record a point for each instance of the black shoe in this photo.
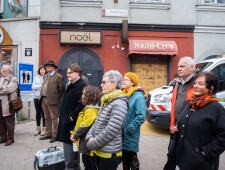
(53, 139)
(45, 137)
(9, 142)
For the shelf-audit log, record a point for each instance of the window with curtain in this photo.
(71, 1)
(148, 1)
(91, 3)
(214, 1)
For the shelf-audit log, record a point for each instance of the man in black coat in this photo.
(70, 106)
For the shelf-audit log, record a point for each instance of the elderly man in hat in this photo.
(51, 92)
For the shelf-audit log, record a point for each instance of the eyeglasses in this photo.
(104, 82)
(126, 80)
(70, 72)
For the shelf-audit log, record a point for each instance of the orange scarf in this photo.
(198, 102)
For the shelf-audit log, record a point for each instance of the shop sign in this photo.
(115, 13)
(153, 47)
(4, 37)
(78, 37)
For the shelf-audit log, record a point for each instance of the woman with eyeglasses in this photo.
(135, 118)
(36, 87)
(104, 138)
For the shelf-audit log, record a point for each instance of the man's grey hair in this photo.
(8, 67)
(114, 76)
(190, 61)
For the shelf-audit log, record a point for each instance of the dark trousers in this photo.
(72, 159)
(89, 162)
(130, 160)
(7, 126)
(107, 163)
(39, 113)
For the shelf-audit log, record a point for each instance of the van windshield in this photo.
(200, 67)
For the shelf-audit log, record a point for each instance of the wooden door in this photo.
(89, 62)
(152, 70)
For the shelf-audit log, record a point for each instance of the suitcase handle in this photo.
(51, 148)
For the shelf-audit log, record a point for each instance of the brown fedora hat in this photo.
(51, 63)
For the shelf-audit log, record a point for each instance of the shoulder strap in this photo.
(8, 95)
(181, 115)
(18, 90)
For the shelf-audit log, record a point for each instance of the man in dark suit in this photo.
(51, 92)
(70, 106)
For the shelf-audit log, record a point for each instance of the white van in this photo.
(159, 105)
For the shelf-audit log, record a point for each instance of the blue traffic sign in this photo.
(25, 76)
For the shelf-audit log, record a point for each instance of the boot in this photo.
(126, 167)
(9, 142)
(37, 131)
(135, 165)
(43, 131)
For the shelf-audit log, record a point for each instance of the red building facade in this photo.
(152, 51)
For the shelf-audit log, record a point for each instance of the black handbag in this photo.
(171, 155)
(172, 144)
(16, 104)
(172, 148)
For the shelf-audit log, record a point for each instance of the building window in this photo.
(149, 1)
(213, 1)
(80, 3)
(220, 72)
(8, 55)
(1, 6)
(71, 1)
(149, 4)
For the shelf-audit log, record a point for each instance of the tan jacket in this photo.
(55, 88)
(8, 85)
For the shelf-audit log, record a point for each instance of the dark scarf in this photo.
(198, 102)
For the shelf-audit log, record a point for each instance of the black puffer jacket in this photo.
(201, 137)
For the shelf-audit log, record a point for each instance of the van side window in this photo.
(220, 72)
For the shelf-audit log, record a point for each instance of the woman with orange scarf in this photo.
(201, 127)
(135, 118)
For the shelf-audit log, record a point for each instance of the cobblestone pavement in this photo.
(20, 155)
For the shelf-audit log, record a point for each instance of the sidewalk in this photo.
(20, 155)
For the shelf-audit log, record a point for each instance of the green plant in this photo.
(23, 118)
